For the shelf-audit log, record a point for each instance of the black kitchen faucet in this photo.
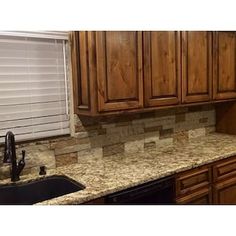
(10, 156)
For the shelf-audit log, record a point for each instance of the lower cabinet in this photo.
(214, 183)
(224, 192)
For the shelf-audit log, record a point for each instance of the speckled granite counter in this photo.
(110, 174)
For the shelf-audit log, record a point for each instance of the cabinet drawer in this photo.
(224, 169)
(192, 180)
(200, 197)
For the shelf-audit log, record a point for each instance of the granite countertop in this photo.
(106, 175)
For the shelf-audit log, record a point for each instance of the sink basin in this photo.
(37, 190)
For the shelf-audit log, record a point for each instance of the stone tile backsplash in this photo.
(97, 137)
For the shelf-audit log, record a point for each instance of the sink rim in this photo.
(42, 179)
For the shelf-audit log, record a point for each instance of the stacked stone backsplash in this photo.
(106, 136)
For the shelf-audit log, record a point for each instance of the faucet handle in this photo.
(23, 155)
(21, 163)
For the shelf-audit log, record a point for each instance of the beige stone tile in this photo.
(113, 149)
(134, 146)
(73, 148)
(90, 153)
(151, 137)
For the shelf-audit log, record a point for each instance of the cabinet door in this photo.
(196, 66)
(119, 70)
(224, 85)
(225, 192)
(161, 68)
(201, 197)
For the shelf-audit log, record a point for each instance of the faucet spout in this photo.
(10, 150)
(10, 156)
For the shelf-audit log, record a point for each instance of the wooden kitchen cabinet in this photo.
(107, 71)
(213, 183)
(224, 83)
(196, 66)
(162, 81)
(119, 70)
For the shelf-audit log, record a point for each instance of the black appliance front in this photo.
(160, 192)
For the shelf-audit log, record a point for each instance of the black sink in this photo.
(37, 190)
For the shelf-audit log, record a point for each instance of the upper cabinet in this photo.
(126, 71)
(196, 66)
(224, 84)
(119, 70)
(162, 68)
(107, 71)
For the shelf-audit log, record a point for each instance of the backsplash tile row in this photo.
(106, 136)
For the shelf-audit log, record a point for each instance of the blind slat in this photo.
(37, 34)
(34, 107)
(33, 99)
(32, 84)
(34, 114)
(37, 128)
(35, 121)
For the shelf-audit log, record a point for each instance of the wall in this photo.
(107, 136)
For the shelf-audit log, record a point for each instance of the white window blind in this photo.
(33, 87)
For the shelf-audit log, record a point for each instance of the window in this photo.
(33, 84)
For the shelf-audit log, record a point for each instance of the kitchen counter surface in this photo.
(106, 175)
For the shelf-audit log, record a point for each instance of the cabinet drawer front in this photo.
(201, 197)
(224, 169)
(192, 180)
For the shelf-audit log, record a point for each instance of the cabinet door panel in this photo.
(224, 65)
(225, 192)
(161, 68)
(119, 70)
(196, 66)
